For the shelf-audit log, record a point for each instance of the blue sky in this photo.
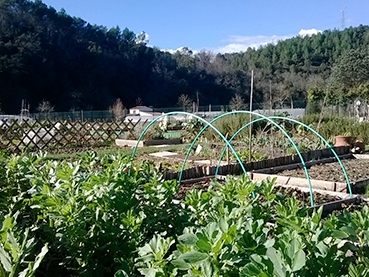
(217, 25)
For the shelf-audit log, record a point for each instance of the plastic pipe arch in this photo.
(265, 118)
(199, 118)
(302, 124)
(270, 119)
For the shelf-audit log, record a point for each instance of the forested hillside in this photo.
(52, 56)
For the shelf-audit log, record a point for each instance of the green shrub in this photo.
(334, 125)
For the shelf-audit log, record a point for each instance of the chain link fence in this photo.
(295, 108)
(105, 115)
(351, 108)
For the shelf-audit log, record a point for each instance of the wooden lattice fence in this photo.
(49, 135)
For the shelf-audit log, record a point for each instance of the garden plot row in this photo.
(356, 168)
(292, 161)
(329, 200)
(327, 179)
(324, 172)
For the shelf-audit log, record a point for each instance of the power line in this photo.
(343, 19)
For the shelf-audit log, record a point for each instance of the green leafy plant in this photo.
(192, 128)
(234, 234)
(93, 219)
(17, 251)
(256, 155)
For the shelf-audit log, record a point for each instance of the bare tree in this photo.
(118, 110)
(45, 107)
(139, 101)
(204, 61)
(236, 102)
(184, 102)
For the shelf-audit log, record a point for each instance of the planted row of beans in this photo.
(94, 217)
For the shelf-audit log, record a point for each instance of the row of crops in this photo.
(89, 217)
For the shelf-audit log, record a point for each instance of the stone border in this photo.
(301, 182)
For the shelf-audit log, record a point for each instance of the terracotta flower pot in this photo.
(343, 140)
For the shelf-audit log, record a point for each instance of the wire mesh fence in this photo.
(350, 108)
(74, 115)
(207, 110)
(353, 108)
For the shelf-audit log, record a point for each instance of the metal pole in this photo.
(270, 114)
(250, 128)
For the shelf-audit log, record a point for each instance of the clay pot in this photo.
(343, 140)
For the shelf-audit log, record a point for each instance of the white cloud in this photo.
(180, 49)
(309, 32)
(241, 43)
(171, 51)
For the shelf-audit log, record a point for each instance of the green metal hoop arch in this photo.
(297, 122)
(265, 118)
(230, 140)
(325, 141)
(197, 117)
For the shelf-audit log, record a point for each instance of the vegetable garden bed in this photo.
(321, 197)
(96, 217)
(356, 169)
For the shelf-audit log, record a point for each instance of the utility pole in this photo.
(24, 110)
(250, 128)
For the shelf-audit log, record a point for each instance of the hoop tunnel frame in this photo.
(265, 118)
(199, 118)
(270, 119)
(302, 124)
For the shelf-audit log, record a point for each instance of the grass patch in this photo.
(126, 151)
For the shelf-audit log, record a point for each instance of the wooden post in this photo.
(250, 128)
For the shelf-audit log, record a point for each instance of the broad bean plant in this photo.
(92, 216)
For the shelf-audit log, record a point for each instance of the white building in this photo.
(141, 110)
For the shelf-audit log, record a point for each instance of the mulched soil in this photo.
(304, 197)
(356, 170)
(184, 188)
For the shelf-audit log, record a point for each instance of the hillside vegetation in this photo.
(52, 56)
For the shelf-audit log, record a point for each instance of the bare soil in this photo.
(356, 169)
(184, 188)
(304, 196)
